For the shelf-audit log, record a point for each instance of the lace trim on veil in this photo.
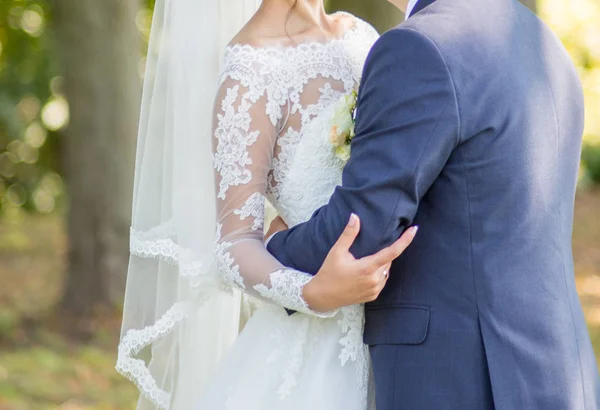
(134, 341)
(156, 244)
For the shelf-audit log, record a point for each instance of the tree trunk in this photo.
(379, 13)
(99, 45)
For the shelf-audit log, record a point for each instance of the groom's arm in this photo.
(407, 126)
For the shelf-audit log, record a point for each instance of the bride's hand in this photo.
(277, 225)
(344, 280)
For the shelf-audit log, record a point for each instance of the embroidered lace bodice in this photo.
(271, 142)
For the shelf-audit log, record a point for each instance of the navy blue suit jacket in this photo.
(469, 124)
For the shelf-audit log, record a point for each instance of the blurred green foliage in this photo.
(33, 110)
(30, 107)
(591, 160)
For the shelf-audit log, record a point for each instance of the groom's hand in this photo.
(344, 280)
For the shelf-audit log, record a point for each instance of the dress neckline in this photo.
(299, 45)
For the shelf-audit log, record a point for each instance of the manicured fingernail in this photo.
(353, 219)
(414, 230)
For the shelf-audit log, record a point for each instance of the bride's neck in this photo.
(302, 13)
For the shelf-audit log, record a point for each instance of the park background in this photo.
(70, 82)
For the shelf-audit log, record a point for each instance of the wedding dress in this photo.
(199, 213)
(272, 123)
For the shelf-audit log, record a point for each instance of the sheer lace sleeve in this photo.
(246, 123)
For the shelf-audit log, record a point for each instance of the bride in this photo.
(199, 271)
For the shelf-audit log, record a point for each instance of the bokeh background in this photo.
(70, 82)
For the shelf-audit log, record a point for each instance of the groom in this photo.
(469, 125)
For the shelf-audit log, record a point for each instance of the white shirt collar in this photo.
(410, 7)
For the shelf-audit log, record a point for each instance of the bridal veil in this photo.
(169, 345)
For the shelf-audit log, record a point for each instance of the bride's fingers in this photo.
(350, 233)
(383, 274)
(376, 282)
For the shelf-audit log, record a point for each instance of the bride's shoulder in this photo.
(261, 31)
(247, 48)
(248, 63)
(249, 36)
(251, 51)
(246, 58)
(356, 24)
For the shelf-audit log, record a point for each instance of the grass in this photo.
(41, 369)
(53, 374)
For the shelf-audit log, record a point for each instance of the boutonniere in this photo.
(342, 127)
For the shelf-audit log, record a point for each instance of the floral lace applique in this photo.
(285, 289)
(233, 139)
(287, 144)
(229, 270)
(254, 207)
(294, 361)
(328, 95)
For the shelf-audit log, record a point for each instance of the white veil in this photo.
(168, 344)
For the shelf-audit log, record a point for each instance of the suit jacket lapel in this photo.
(421, 4)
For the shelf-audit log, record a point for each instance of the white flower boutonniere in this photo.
(342, 128)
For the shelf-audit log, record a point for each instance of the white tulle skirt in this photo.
(298, 362)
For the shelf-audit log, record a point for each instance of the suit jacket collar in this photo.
(421, 4)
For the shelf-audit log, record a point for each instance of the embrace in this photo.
(420, 257)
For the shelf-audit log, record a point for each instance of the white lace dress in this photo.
(272, 122)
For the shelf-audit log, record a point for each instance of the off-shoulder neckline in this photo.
(303, 44)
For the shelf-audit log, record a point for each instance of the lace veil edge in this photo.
(172, 267)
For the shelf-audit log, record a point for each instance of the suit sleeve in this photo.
(407, 127)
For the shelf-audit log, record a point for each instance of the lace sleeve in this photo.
(245, 133)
